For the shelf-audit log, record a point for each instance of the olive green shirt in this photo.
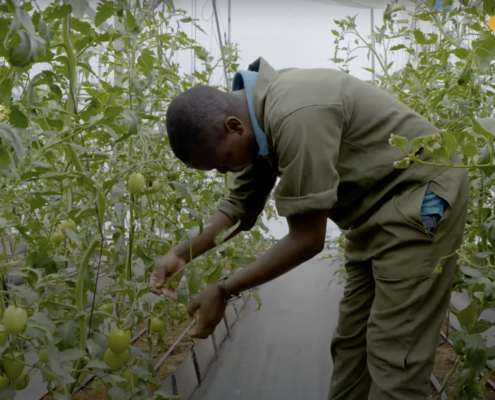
(328, 135)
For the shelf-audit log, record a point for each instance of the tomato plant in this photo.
(83, 95)
(447, 76)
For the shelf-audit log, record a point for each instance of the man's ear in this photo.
(234, 125)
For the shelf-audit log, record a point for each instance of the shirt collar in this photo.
(247, 80)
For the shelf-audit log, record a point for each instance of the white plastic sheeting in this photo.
(377, 4)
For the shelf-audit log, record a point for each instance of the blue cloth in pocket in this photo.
(432, 209)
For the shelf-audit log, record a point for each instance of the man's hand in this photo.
(211, 308)
(165, 268)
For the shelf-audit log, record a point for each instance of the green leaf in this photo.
(79, 7)
(459, 341)
(490, 353)
(402, 164)
(487, 127)
(461, 53)
(105, 10)
(476, 352)
(468, 316)
(481, 326)
(61, 11)
(194, 281)
(74, 237)
(17, 117)
(4, 157)
(71, 355)
(398, 47)
(465, 77)
(97, 364)
(448, 142)
(28, 50)
(131, 21)
(335, 32)
(476, 273)
(215, 275)
(489, 7)
(484, 50)
(113, 111)
(152, 298)
(421, 38)
(6, 90)
(398, 141)
(12, 136)
(469, 150)
(80, 26)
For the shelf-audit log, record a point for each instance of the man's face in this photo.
(235, 150)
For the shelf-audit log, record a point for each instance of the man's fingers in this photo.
(200, 331)
(169, 293)
(193, 307)
(199, 334)
(159, 278)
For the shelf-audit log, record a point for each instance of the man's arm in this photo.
(249, 191)
(306, 239)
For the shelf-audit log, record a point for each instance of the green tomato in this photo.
(173, 284)
(157, 325)
(68, 223)
(130, 377)
(108, 308)
(4, 336)
(4, 382)
(136, 183)
(43, 356)
(156, 185)
(22, 382)
(57, 237)
(173, 314)
(13, 365)
(119, 340)
(15, 319)
(182, 310)
(115, 360)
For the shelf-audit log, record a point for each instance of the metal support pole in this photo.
(373, 45)
(220, 41)
(230, 23)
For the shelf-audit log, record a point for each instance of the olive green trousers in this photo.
(399, 277)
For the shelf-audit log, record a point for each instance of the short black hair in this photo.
(194, 118)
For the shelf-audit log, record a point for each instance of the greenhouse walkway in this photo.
(283, 350)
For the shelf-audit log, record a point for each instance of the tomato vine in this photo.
(90, 188)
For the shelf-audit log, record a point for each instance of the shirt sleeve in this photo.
(249, 192)
(307, 144)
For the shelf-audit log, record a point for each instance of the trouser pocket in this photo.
(432, 209)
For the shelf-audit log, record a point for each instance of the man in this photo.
(326, 136)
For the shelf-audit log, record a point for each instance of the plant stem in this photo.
(80, 304)
(71, 97)
(450, 375)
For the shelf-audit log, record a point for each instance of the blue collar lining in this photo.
(247, 80)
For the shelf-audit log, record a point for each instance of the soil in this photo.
(173, 361)
(432, 392)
